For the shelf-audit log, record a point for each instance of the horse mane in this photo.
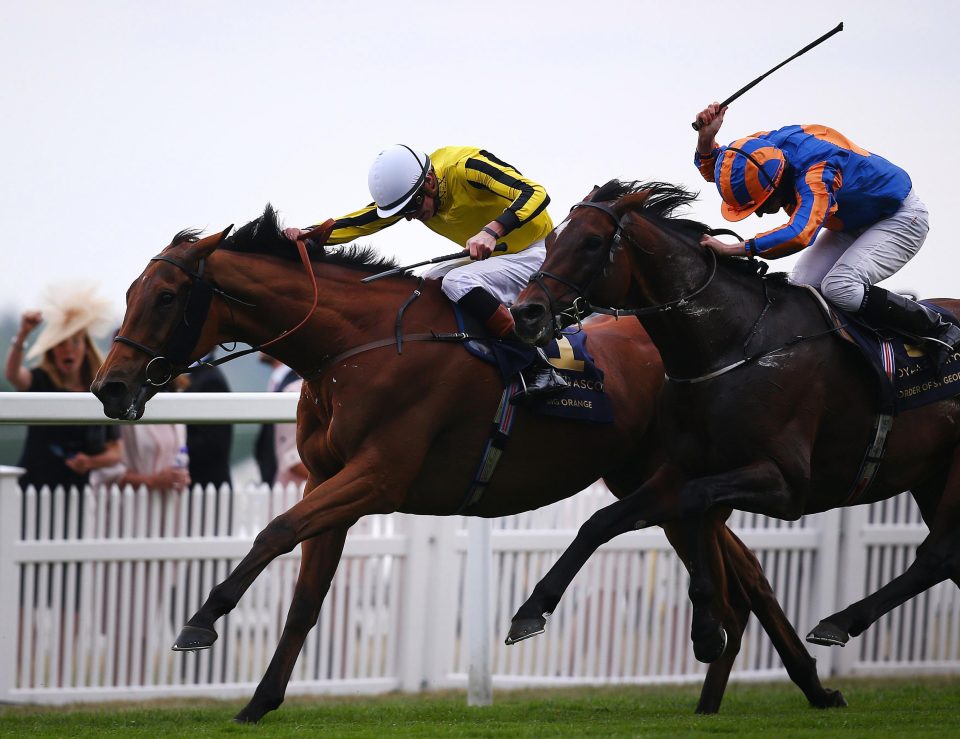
(264, 236)
(662, 201)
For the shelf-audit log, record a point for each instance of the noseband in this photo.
(581, 306)
(162, 368)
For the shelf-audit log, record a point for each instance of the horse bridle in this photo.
(581, 306)
(181, 345)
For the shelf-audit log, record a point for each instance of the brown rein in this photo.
(176, 366)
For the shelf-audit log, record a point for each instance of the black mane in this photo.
(264, 236)
(662, 201)
(661, 204)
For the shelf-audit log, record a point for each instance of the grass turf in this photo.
(878, 708)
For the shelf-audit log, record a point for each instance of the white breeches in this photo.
(502, 276)
(841, 265)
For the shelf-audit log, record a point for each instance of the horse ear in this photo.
(319, 234)
(208, 244)
(589, 196)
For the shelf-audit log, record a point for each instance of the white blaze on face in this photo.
(559, 229)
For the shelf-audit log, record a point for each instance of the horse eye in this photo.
(593, 243)
(166, 298)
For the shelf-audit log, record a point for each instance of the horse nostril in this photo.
(111, 392)
(531, 312)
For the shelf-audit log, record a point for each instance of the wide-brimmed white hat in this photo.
(67, 308)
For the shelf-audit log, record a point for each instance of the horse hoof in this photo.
(830, 699)
(194, 638)
(246, 717)
(524, 628)
(712, 649)
(827, 634)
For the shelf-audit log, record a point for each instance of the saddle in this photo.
(907, 376)
(583, 400)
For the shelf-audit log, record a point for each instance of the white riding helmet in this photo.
(395, 176)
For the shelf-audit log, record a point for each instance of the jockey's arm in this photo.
(527, 198)
(363, 222)
(710, 118)
(815, 202)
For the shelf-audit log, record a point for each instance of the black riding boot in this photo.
(898, 312)
(539, 380)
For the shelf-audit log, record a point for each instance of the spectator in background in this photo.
(154, 455)
(265, 448)
(209, 444)
(69, 360)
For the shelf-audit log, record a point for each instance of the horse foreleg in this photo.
(733, 612)
(800, 665)
(707, 580)
(358, 489)
(626, 514)
(742, 587)
(319, 559)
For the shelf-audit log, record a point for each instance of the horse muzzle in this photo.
(120, 401)
(534, 324)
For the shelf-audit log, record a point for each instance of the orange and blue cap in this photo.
(747, 172)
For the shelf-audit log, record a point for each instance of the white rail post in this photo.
(852, 580)
(829, 564)
(478, 602)
(417, 569)
(10, 502)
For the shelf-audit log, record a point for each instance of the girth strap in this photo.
(499, 435)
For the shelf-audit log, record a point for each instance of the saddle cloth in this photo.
(584, 399)
(907, 375)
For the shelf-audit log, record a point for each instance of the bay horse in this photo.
(764, 410)
(381, 431)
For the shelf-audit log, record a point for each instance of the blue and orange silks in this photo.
(839, 186)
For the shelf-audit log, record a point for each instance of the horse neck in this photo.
(348, 314)
(709, 330)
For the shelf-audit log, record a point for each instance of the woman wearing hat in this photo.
(854, 214)
(69, 360)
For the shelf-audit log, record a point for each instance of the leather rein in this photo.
(163, 367)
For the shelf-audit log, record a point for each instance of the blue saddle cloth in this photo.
(907, 375)
(584, 399)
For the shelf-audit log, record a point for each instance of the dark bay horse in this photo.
(750, 417)
(381, 432)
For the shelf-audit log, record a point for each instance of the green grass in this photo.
(878, 708)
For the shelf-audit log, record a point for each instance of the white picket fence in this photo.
(96, 584)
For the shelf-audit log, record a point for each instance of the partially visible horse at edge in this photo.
(751, 417)
(381, 432)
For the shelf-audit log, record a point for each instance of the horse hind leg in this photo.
(938, 559)
(319, 559)
(615, 519)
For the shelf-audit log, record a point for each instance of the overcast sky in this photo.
(125, 122)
